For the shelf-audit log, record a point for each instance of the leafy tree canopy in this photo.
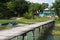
(45, 5)
(56, 5)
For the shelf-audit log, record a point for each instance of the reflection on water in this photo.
(50, 37)
(46, 35)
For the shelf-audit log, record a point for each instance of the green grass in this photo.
(6, 20)
(29, 21)
(5, 27)
(57, 21)
(56, 33)
(23, 21)
(56, 30)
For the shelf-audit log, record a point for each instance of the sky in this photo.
(42, 1)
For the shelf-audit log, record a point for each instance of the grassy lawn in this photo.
(29, 21)
(5, 27)
(57, 21)
(22, 21)
(6, 20)
(56, 33)
(56, 30)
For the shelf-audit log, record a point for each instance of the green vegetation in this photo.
(5, 20)
(29, 21)
(5, 27)
(26, 10)
(56, 6)
(57, 21)
(45, 5)
(17, 8)
(28, 15)
(56, 30)
(33, 7)
(56, 33)
(24, 20)
(12, 8)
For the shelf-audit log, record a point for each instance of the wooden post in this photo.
(39, 31)
(17, 38)
(53, 23)
(25, 36)
(43, 28)
(33, 34)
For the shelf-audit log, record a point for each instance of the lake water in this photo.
(50, 37)
(37, 37)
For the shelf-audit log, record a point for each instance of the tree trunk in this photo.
(18, 15)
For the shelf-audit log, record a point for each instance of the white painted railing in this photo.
(23, 30)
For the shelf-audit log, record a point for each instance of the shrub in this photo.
(28, 15)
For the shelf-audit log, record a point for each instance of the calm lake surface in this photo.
(50, 37)
(37, 37)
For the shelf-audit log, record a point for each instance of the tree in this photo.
(4, 1)
(34, 7)
(45, 5)
(10, 8)
(20, 6)
(2, 8)
(56, 5)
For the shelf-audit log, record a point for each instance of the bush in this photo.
(28, 15)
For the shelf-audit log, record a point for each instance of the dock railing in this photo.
(9, 34)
